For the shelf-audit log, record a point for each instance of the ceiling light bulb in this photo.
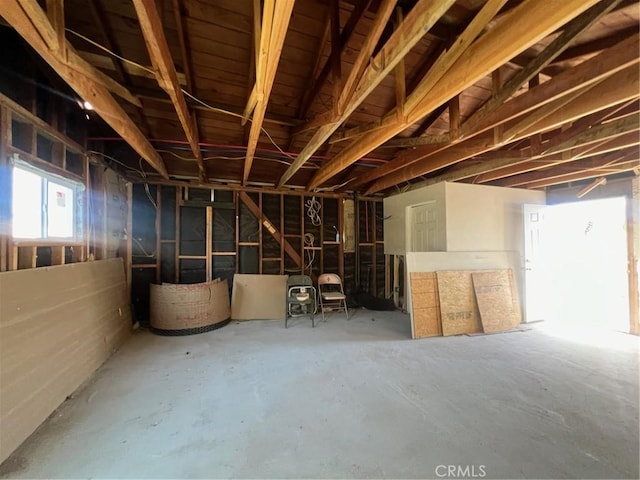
(87, 105)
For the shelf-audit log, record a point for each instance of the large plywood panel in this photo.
(259, 297)
(436, 261)
(57, 326)
(458, 305)
(425, 311)
(497, 300)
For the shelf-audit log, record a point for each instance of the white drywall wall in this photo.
(395, 211)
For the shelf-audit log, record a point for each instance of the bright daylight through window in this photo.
(45, 206)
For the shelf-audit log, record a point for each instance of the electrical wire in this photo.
(221, 157)
(146, 254)
(313, 211)
(191, 96)
(105, 49)
(309, 241)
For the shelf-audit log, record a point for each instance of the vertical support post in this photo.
(5, 190)
(177, 234)
(209, 241)
(14, 257)
(374, 251)
(57, 255)
(387, 274)
(356, 231)
(282, 237)
(129, 250)
(236, 200)
(88, 192)
(322, 269)
(341, 243)
(633, 252)
(396, 280)
(454, 117)
(158, 234)
(260, 246)
(304, 253)
(496, 78)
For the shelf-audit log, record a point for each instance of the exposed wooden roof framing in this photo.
(34, 26)
(166, 74)
(341, 95)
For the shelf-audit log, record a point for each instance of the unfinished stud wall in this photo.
(214, 233)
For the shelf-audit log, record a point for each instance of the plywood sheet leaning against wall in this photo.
(57, 326)
(259, 297)
(425, 306)
(458, 306)
(497, 300)
(189, 308)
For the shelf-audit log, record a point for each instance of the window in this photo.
(45, 206)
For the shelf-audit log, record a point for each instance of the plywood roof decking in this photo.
(219, 42)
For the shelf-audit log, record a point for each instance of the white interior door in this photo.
(424, 228)
(535, 298)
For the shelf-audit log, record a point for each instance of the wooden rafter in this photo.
(363, 79)
(188, 72)
(120, 67)
(275, 22)
(86, 81)
(492, 170)
(580, 169)
(318, 82)
(574, 28)
(166, 74)
(594, 100)
(336, 50)
(592, 71)
(466, 62)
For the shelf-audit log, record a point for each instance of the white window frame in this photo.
(77, 189)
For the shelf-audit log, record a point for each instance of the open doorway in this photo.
(584, 264)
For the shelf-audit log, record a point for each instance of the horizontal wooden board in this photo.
(57, 326)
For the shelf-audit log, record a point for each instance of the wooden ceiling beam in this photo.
(571, 30)
(618, 60)
(560, 173)
(317, 83)
(364, 79)
(105, 63)
(86, 82)
(336, 51)
(497, 169)
(444, 63)
(595, 46)
(491, 50)
(55, 14)
(542, 160)
(252, 101)
(188, 71)
(100, 21)
(608, 145)
(275, 22)
(166, 74)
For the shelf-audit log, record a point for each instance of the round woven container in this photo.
(190, 308)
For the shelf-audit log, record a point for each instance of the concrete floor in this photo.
(350, 399)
